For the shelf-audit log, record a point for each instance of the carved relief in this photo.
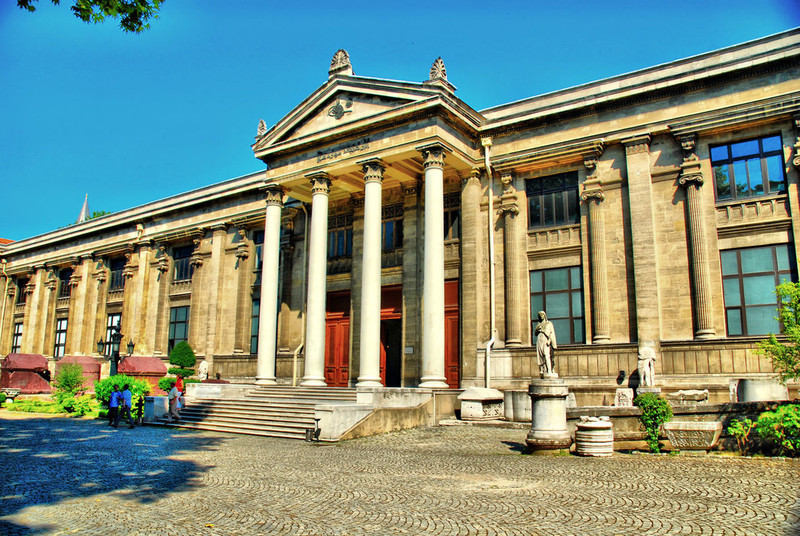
(242, 249)
(411, 190)
(196, 259)
(340, 64)
(162, 265)
(338, 110)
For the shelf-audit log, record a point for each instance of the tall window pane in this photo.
(183, 269)
(16, 340)
(552, 200)
(749, 168)
(254, 326)
(178, 326)
(60, 337)
(559, 293)
(113, 319)
(749, 279)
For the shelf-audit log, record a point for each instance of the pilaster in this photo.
(645, 268)
(509, 210)
(472, 287)
(412, 243)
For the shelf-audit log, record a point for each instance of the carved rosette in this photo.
(433, 157)
(320, 184)
(273, 195)
(373, 171)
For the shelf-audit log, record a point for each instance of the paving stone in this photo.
(64, 476)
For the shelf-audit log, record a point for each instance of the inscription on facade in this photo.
(343, 150)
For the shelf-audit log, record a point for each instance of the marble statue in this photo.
(647, 367)
(545, 344)
(202, 371)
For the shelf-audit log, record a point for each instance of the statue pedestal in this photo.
(642, 390)
(548, 416)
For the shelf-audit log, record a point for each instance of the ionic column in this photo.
(370, 373)
(593, 196)
(509, 210)
(268, 308)
(433, 270)
(692, 179)
(317, 282)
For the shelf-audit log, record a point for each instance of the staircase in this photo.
(271, 411)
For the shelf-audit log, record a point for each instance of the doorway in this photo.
(337, 339)
(392, 352)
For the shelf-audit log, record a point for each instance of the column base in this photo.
(433, 383)
(702, 334)
(369, 382)
(266, 381)
(313, 382)
(601, 339)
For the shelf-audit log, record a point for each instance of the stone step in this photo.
(279, 425)
(213, 427)
(198, 414)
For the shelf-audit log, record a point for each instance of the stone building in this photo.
(398, 237)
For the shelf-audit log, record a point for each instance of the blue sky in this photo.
(130, 119)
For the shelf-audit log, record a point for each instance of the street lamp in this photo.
(130, 347)
(116, 338)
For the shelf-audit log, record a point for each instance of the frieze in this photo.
(343, 150)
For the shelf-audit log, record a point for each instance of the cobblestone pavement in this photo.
(62, 476)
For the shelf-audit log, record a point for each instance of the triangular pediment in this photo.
(341, 102)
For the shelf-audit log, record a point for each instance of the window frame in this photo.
(60, 337)
(64, 288)
(392, 214)
(779, 275)
(110, 324)
(116, 267)
(452, 216)
(762, 156)
(22, 297)
(540, 198)
(183, 269)
(255, 312)
(572, 291)
(16, 338)
(172, 340)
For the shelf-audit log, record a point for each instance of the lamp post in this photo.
(116, 338)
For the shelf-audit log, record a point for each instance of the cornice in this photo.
(750, 229)
(556, 152)
(733, 116)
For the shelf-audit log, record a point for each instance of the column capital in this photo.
(796, 159)
(473, 174)
(320, 182)
(637, 144)
(373, 169)
(273, 195)
(594, 193)
(691, 174)
(433, 155)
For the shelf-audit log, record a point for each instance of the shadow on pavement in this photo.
(522, 448)
(47, 460)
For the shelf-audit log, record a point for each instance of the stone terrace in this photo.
(65, 476)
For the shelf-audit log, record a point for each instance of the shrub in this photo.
(785, 355)
(740, 430)
(79, 406)
(655, 412)
(782, 428)
(2, 398)
(166, 383)
(103, 388)
(69, 383)
(182, 356)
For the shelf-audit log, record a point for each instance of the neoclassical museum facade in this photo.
(399, 237)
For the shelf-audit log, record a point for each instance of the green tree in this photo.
(182, 356)
(133, 15)
(785, 354)
(655, 412)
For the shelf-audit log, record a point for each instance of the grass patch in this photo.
(48, 407)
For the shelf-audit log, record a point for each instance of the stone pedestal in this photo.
(481, 404)
(623, 397)
(642, 390)
(693, 435)
(548, 416)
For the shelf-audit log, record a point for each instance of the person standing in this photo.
(113, 405)
(174, 399)
(125, 406)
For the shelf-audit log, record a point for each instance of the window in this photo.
(61, 337)
(16, 340)
(340, 236)
(178, 326)
(21, 295)
(183, 268)
(64, 289)
(114, 319)
(559, 293)
(258, 240)
(748, 168)
(116, 281)
(553, 200)
(392, 228)
(749, 278)
(254, 326)
(452, 204)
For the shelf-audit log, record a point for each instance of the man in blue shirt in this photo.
(125, 406)
(113, 405)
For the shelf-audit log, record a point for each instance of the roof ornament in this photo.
(438, 76)
(262, 128)
(437, 70)
(340, 64)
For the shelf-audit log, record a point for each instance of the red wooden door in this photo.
(452, 367)
(337, 340)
